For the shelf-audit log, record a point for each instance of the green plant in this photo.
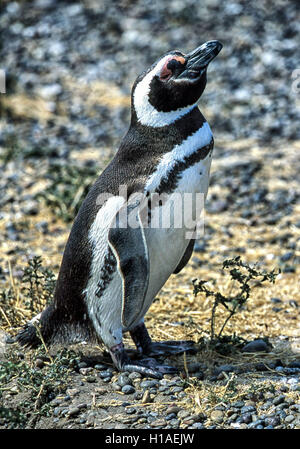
(39, 283)
(35, 291)
(243, 274)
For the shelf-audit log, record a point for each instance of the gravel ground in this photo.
(69, 70)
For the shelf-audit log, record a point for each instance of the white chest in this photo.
(178, 163)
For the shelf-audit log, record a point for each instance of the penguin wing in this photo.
(127, 239)
(186, 257)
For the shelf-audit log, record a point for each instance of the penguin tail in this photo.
(38, 328)
(53, 326)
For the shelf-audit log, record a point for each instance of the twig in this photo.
(3, 313)
(43, 342)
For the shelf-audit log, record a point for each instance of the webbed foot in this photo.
(170, 347)
(145, 345)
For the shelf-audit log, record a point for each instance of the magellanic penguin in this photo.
(112, 269)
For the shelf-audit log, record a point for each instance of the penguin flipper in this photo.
(129, 245)
(186, 257)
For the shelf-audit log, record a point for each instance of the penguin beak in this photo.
(198, 60)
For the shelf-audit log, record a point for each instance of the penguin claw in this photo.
(170, 347)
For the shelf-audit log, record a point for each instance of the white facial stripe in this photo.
(146, 113)
(199, 139)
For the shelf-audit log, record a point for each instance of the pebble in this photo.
(217, 416)
(173, 409)
(100, 367)
(105, 374)
(248, 409)
(39, 363)
(73, 411)
(145, 384)
(128, 389)
(279, 399)
(134, 376)
(146, 398)
(256, 346)
(289, 418)
(158, 423)
(124, 380)
(85, 371)
(183, 414)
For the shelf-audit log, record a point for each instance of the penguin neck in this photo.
(180, 128)
(148, 144)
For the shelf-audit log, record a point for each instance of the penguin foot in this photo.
(146, 346)
(170, 347)
(148, 367)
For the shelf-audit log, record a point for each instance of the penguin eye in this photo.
(193, 74)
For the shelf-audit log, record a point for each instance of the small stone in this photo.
(217, 416)
(272, 421)
(72, 392)
(14, 390)
(146, 397)
(158, 423)
(173, 409)
(105, 374)
(198, 425)
(149, 383)
(246, 418)
(31, 208)
(134, 376)
(183, 414)
(128, 389)
(289, 418)
(124, 380)
(170, 416)
(248, 409)
(256, 346)
(130, 411)
(82, 365)
(176, 389)
(279, 399)
(39, 363)
(73, 411)
(276, 300)
(91, 379)
(174, 423)
(100, 367)
(101, 390)
(294, 364)
(238, 404)
(85, 371)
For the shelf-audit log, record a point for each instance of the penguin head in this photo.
(172, 85)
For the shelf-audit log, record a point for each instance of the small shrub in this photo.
(243, 274)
